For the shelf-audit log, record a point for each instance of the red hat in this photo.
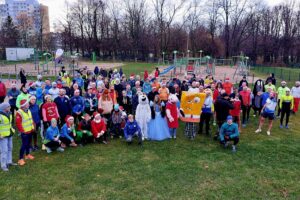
(69, 117)
(31, 84)
(96, 114)
(227, 79)
(23, 102)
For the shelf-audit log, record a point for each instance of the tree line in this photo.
(136, 29)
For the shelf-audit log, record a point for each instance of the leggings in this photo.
(205, 117)
(279, 109)
(52, 145)
(26, 140)
(246, 113)
(235, 140)
(286, 110)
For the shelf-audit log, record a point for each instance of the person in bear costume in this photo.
(172, 112)
(143, 115)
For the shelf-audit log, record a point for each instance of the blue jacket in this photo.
(66, 132)
(79, 81)
(264, 98)
(35, 112)
(147, 88)
(51, 133)
(32, 91)
(63, 106)
(13, 93)
(77, 104)
(131, 128)
(231, 130)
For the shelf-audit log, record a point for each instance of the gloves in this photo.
(171, 119)
(151, 103)
(227, 137)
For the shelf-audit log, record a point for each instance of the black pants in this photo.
(256, 110)
(102, 138)
(2, 99)
(64, 140)
(279, 109)
(53, 145)
(205, 117)
(116, 130)
(235, 140)
(12, 110)
(286, 110)
(246, 113)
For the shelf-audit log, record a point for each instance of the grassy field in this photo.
(290, 75)
(265, 167)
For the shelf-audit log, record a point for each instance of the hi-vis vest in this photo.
(5, 125)
(27, 122)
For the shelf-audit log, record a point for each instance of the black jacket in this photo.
(222, 107)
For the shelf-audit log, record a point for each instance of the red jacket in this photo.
(49, 111)
(227, 86)
(174, 113)
(98, 127)
(19, 124)
(216, 94)
(245, 97)
(2, 90)
(235, 112)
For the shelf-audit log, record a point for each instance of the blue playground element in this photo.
(166, 70)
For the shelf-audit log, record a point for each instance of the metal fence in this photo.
(287, 74)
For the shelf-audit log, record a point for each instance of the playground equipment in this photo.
(242, 67)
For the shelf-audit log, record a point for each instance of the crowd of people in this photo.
(101, 105)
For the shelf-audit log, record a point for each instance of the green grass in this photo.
(265, 167)
(290, 75)
(138, 68)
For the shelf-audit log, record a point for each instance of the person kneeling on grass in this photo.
(131, 130)
(99, 128)
(68, 133)
(84, 134)
(229, 132)
(52, 141)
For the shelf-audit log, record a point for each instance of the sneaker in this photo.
(233, 149)
(12, 164)
(287, 127)
(280, 126)
(29, 157)
(120, 137)
(226, 144)
(73, 144)
(104, 142)
(174, 137)
(258, 131)
(63, 145)
(244, 125)
(21, 162)
(59, 149)
(35, 148)
(5, 169)
(268, 133)
(214, 124)
(48, 150)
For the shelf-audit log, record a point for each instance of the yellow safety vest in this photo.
(27, 122)
(5, 125)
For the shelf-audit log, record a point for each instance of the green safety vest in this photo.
(5, 125)
(27, 122)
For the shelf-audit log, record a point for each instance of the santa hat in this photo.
(227, 79)
(96, 114)
(23, 102)
(68, 118)
(31, 84)
(86, 115)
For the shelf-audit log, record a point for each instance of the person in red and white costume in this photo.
(49, 111)
(98, 127)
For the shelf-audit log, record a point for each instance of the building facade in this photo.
(28, 15)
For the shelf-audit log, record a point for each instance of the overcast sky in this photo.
(57, 7)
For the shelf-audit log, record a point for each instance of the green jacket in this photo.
(21, 97)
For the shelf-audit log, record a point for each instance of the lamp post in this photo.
(188, 53)
(175, 60)
(163, 57)
(200, 51)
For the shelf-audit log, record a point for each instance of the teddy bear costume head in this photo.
(143, 99)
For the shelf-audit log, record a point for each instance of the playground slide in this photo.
(165, 71)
